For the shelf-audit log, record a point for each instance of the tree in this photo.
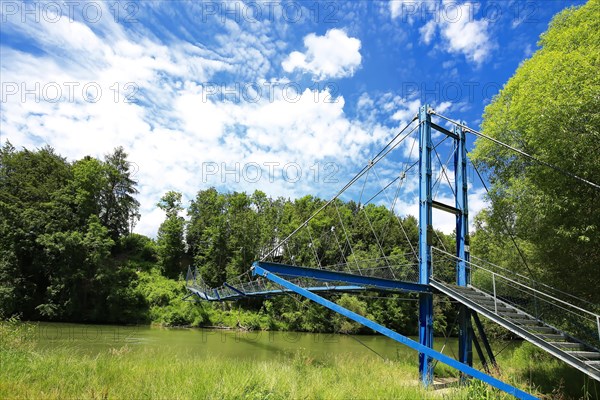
(119, 208)
(239, 222)
(77, 259)
(549, 108)
(171, 245)
(90, 180)
(31, 205)
(55, 252)
(207, 235)
(342, 324)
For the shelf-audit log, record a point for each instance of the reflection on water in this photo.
(198, 343)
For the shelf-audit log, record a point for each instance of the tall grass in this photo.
(61, 373)
(120, 373)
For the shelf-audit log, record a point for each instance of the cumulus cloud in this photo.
(460, 32)
(158, 103)
(172, 122)
(334, 55)
(466, 35)
(407, 111)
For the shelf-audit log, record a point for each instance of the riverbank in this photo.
(58, 374)
(100, 363)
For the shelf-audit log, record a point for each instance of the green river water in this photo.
(228, 344)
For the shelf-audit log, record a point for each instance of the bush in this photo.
(138, 247)
(165, 298)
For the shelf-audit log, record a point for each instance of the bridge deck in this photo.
(206, 295)
(312, 279)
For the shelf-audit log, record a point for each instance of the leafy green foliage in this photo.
(118, 206)
(549, 108)
(344, 325)
(165, 301)
(66, 252)
(60, 227)
(170, 241)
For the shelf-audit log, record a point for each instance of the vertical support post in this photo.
(465, 337)
(425, 238)
(485, 341)
(494, 288)
(462, 205)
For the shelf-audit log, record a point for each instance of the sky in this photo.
(288, 97)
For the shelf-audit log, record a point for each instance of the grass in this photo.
(61, 373)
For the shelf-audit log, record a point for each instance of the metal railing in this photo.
(401, 267)
(571, 319)
(256, 286)
(260, 287)
(539, 285)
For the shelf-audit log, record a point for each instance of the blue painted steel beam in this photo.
(267, 293)
(445, 207)
(257, 270)
(465, 329)
(326, 275)
(311, 289)
(425, 238)
(485, 341)
(445, 131)
(234, 289)
(462, 217)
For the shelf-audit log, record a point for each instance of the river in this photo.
(199, 343)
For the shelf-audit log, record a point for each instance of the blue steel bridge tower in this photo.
(461, 210)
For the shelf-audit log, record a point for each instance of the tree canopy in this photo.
(67, 253)
(550, 109)
(60, 222)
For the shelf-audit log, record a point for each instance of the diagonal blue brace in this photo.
(234, 289)
(310, 289)
(258, 270)
(329, 276)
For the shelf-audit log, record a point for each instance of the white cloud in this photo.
(427, 31)
(408, 111)
(334, 55)
(477, 202)
(443, 107)
(460, 32)
(365, 103)
(173, 129)
(466, 35)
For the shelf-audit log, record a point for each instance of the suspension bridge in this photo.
(557, 322)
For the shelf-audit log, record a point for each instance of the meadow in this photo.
(126, 371)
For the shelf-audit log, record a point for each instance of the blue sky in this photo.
(289, 97)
